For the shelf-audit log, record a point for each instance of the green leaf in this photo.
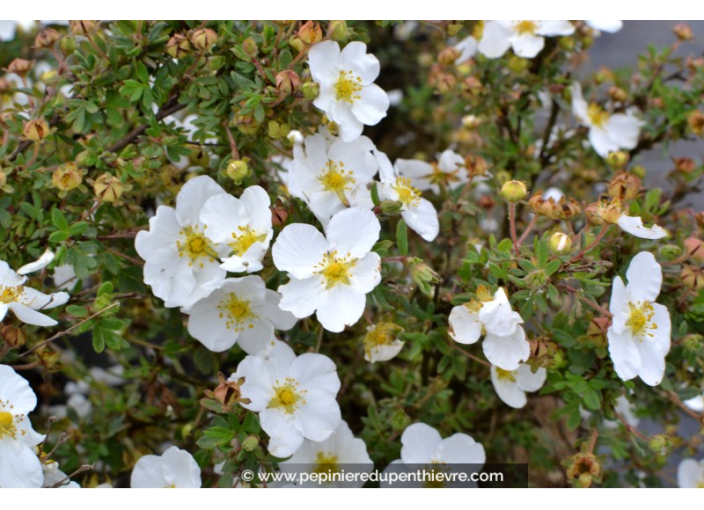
(402, 237)
(59, 220)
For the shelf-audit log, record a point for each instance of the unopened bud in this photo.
(391, 207)
(338, 30)
(20, 66)
(693, 342)
(517, 64)
(310, 90)
(400, 420)
(617, 94)
(227, 392)
(310, 32)
(684, 165)
(695, 249)
(695, 120)
(249, 47)
(624, 186)
(287, 82)
(683, 32)
(514, 191)
(108, 188)
(203, 38)
(238, 170)
(617, 159)
(46, 38)
(14, 337)
(36, 130)
(178, 46)
(560, 243)
(83, 26)
(276, 130)
(692, 277)
(423, 275)
(250, 443)
(449, 55)
(67, 45)
(660, 444)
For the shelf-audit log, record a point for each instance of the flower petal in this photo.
(644, 276)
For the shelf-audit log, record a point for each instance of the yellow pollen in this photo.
(194, 245)
(442, 177)
(526, 27)
(348, 87)
(435, 468)
(597, 116)
(506, 375)
(10, 294)
(7, 425)
(407, 194)
(239, 313)
(336, 270)
(326, 463)
(336, 179)
(244, 238)
(639, 319)
(287, 396)
(384, 333)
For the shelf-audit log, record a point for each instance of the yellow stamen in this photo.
(443, 177)
(506, 375)
(7, 425)
(407, 194)
(195, 245)
(244, 238)
(239, 313)
(384, 333)
(597, 116)
(526, 27)
(640, 318)
(287, 396)
(435, 468)
(336, 179)
(336, 270)
(326, 463)
(348, 87)
(10, 294)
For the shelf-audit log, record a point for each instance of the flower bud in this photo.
(560, 209)
(310, 32)
(238, 170)
(476, 165)
(692, 277)
(83, 26)
(67, 177)
(684, 165)
(296, 44)
(36, 130)
(276, 130)
(46, 38)
(67, 45)
(670, 251)
(178, 46)
(250, 443)
(391, 207)
(215, 62)
(695, 249)
(602, 212)
(583, 469)
(310, 90)
(695, 120)
(617, 94)
(449, 55)
(14, 337)
(287, 82)
(246, 124)
(617, 159)
(279, 215)
(108, 188)
(338, 30)
(514, 191)
(20, 66)
(423, 275)
(249, 47)
(400, 420)
(693, 342)
(517, 64)
(560, 243)
(227, 392)
(683, 32)
(660, 444)
(624, 186)
(203, 38)
(566, 43)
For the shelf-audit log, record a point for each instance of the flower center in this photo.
(407, 194)
(640, 318)
(435, 468)
(287, 396)
(194, 245)
(506, 375)
(239, 313)
(336, 270)
(347, 87)
(526, 27)
(381, 334)
(9, 294)
(7, 425)
(336, 179)
(244, 239)
(326, 463)
(597, 116)
(442, 177)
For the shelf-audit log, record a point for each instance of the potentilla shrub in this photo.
(232, 248)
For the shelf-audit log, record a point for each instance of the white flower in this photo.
(525, 37)
(340, 451)
(639, 336)
(330, 274)
(424, 448)
(64, 277)
(46, 258)
(330, 174)
(610, 26)
(348, 95)
(243, 224)
(696, 404)
(418, 213)
(467, 48)
(19, 464)
(634, 226)
(607, 132)
(53, 476)
(448, 173)
(511, 385)
(239, 310)
(690, 474)
(175, 469)
(181, 262)
(25, 302)
(381, 342)
(294, 396)
(505, 343)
